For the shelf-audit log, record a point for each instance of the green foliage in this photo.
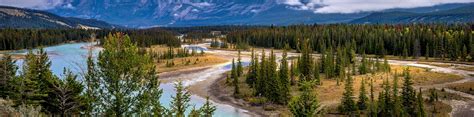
(305, 62)
(408, 94)
(66, 98)
(306, 104)
(284, 78)
(7, 74)
(121, 70)
(235, 79)
(207, 109)
(420, 109)
(180, 101)
(348, 105)
(363, 99)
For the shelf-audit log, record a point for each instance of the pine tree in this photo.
(180, 101)
(121, 70)
(386, 66)
(348, 105)
(420, 109)
(194, 112)
(207, 109)
(66, 99)
(363, 68)
(385, 102)
(304, 64)
(408, 95)
(306, 104)
(28, 89)
(252, 73)
(317, 77)
(373, 108)
(239, 66)
(7, 74)
(284, 78)
(235, 79)
(362, 102)
(397, 105)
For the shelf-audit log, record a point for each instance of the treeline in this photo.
(451, 42)
(14, 39)
(112, 85)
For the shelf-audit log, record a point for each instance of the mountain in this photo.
(149, 13)
(11, 17)
(463, 13)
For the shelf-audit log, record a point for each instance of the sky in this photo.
(317, 6)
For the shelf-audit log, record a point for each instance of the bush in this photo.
(258, 101)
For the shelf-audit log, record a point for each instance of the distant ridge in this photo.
(12, 17)
(457, 15)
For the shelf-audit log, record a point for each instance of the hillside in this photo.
(456, 15)
(11, 17)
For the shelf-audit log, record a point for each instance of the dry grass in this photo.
(437, 64)
(466, 68)
(194, 61)
(330, 93)
(467, 87)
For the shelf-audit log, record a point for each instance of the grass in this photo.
(189, 62)
(466, 87)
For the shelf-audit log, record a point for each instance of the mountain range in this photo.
(178, 13)
(11, 17)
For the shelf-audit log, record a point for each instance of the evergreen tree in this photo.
(207, 109)
(306, 104)
(397, 105)
(420, 109)
(386, 66)
(66, 99)
(180, 101)
(317, 77)
(408, 94)
(373, 108)
(239, 66)
(252, 73)
(7, 74)
(121, 70)
(385, 103)
(235, 79)
(363, 68)
(348, 105)
(284, 78)
(304, 64)
(362, 102)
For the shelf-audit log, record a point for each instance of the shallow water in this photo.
(74, 56)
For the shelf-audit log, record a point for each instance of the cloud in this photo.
(35, 4)
(354, 6)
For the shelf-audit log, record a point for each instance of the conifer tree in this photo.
(66, 98)
(397, 105)
(180, 101)
(385, 102)
(317, 77)
(284, 77)
(252, 73)
(239, 66)
(121, 70)
(306, 104)
(362, 102)
(420, 105)
(7, 74)
(207, 109)
(408, 94)
(304, 64)
(373, 105)
(348, 105)
(235, 79)
(386, 66)
(363, 68)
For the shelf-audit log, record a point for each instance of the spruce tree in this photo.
(235, 79)
(397, 105)
(317, 77)
(28, 89)
(120, 71)
(348, 105)
(239, 66)
(66, 98)
(420, 105)
(373, 105)
(363, 99)
(207, 109)
(180, 101)
(7, 74)
(408, 95)
(304, 64)
(363, 68)
(252, 71)
(306, 104)
(284, 78)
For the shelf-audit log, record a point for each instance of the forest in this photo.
(444, 41)
(14, 39)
